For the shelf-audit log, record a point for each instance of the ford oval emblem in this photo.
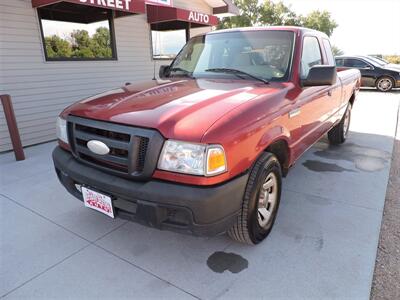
(98, 147)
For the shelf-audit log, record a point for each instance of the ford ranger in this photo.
(203, 149)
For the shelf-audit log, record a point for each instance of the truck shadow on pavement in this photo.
(365, 158)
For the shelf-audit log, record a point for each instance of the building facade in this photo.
(47, 62)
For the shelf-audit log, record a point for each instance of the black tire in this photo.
(338, 134)
(384, 84)
(247, 228)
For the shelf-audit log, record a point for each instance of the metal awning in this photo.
(167, 18)
(159, 11)
(122, 6)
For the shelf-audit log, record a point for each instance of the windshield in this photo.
(261, 54)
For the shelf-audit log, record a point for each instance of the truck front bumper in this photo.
(164, 205)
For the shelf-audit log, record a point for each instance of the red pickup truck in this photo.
(204, 149)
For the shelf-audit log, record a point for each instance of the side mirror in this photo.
(164, 71)
(367, 68)
(321, 75)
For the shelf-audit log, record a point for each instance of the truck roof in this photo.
(296, 29)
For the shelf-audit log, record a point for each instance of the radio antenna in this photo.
(154, 61)
(154, 45)
(154, 71)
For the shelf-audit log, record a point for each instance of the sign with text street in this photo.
(132, 6)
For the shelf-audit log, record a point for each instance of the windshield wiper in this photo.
(185, 72)
(236, 72)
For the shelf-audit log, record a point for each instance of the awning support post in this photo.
(188, 31)
(12, 127)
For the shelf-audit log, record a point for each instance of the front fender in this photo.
(272, 137)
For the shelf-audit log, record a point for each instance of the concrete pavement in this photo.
(323, 245)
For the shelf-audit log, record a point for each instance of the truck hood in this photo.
(182, 109)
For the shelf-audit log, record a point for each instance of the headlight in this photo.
(194, 159)
(62, 130)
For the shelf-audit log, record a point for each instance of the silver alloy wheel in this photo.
(346, 123)
(267, 199)
(385, 84)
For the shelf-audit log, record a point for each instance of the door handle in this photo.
(330, 93)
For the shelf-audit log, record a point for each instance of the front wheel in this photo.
(385, 84)
(338, 134)
(260, 202)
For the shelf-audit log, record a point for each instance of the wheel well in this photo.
(380, 77)
(352, 99)
(280, 149)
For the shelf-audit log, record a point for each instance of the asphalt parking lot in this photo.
(323, 245)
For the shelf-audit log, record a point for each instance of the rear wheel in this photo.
(385, 84)
(260, 202)
(338, 134)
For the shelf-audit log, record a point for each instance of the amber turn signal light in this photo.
(216, 161)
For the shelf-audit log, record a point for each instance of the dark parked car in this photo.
(374, 72)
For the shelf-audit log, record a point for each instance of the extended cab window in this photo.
(328, 51)
(311, 55)
(71, 33)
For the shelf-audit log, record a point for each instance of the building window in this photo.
(77, 32)
(167, 44)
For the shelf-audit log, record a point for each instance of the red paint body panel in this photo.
(243, 116)
(134, 6)
(182, 109)
(158, 14)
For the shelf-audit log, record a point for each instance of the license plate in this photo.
(98, 201)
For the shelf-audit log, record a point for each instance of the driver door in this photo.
(367, 71)
(313, 106)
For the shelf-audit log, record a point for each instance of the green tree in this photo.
(57, 47)
(337, 51)
(267, 12)
(101, 43)
(319, 20)
(80, 38)
(277, 14)
(249, 15)
(81, 44)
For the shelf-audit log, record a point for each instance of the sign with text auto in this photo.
(197, 17)
(157, 14)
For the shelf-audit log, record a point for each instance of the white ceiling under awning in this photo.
(231, 11)
(215, 3)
